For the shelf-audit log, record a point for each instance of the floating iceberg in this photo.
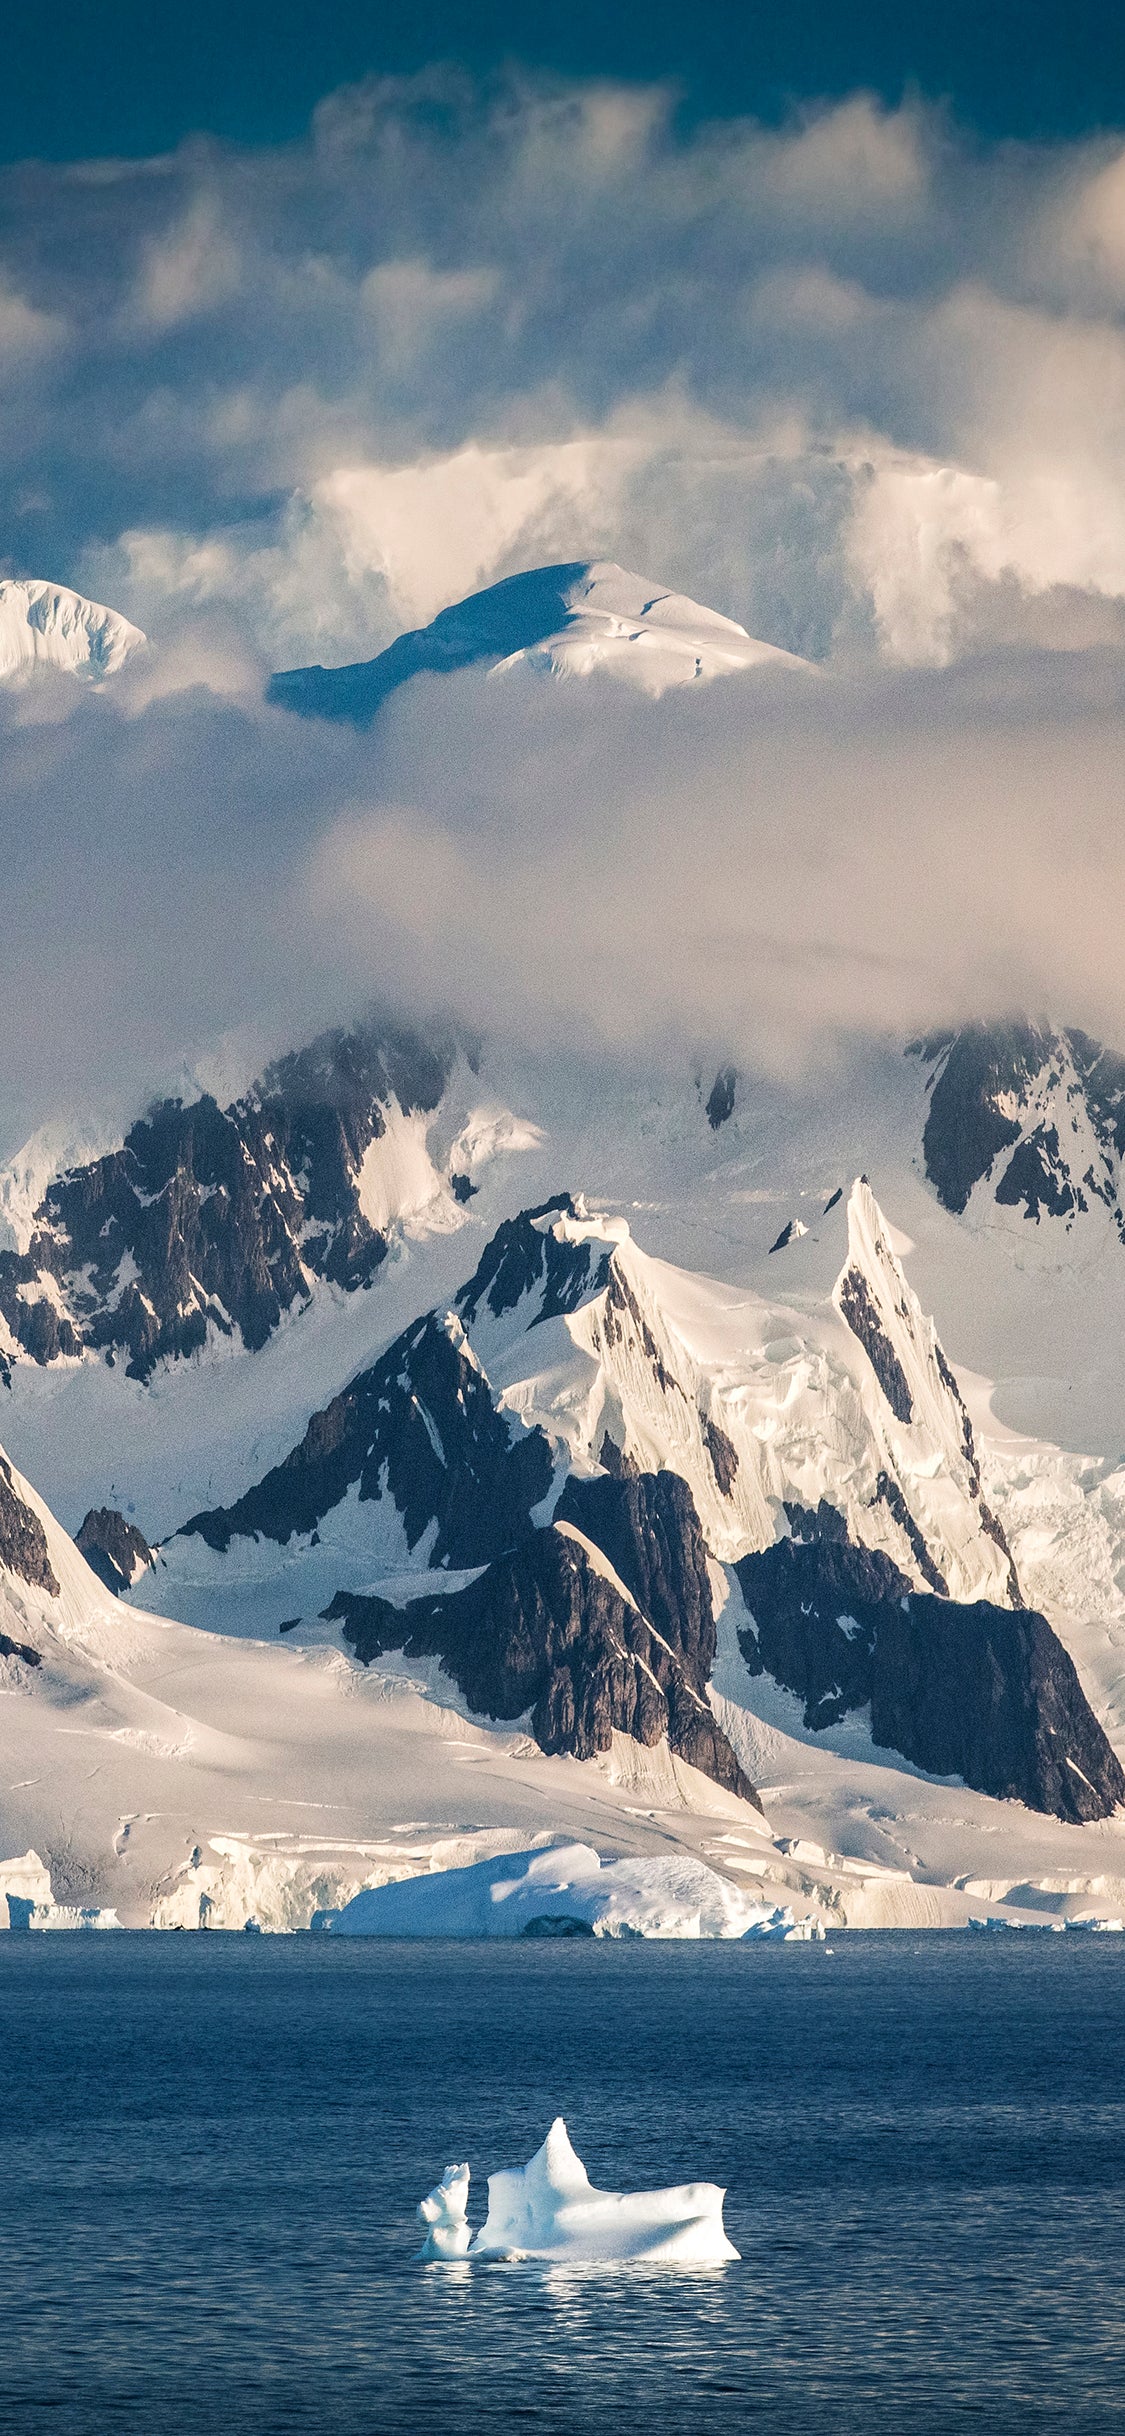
(549, 2209)
(444, 2213)
(566, 1890)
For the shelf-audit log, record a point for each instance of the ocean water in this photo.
(211, 2148)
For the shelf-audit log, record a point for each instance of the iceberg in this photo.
(444, 2212)
(565, 1890)
(549, 2209)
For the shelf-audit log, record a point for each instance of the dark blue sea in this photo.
(211, 2148)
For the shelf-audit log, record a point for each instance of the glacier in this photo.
(565, 1890)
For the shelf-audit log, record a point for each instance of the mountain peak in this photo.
(566, 620)
(45, 625)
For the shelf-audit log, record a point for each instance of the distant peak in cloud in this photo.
(44, 625)
(564, 621)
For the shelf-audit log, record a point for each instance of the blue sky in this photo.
(79, 80)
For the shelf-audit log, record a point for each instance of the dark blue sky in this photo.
(80, 79)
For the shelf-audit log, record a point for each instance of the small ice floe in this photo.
(443, 2212)
(1031, 1928)
(549, 2209)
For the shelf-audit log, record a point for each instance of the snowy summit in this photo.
(562, 621)
(46, 626)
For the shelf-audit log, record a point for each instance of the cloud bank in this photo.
(857, 382)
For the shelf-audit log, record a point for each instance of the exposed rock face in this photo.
(992, 1696)
(649, 1529)
(21, 1650)
(1054, 1100)
(817, 1603)
(23, 1541)
(720, 1102)
(420, 1425)
(856, 1303)
(547, 1630)
(116, 1551)
(979, 1691)
(724, 1456)
(525, 1256)
(221, 1217)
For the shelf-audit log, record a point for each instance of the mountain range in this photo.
(442, 1445)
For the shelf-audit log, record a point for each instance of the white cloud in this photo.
(854, 158)
(27, 334)
(189, 268)
(851, 381)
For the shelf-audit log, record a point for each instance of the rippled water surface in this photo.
(211, 2148)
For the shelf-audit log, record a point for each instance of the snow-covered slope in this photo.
(188, 1779)
(564, 621)
(531, 1489)
(46, 626)
(828, 1395)
(606, 1359)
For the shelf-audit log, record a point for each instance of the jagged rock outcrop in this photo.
(550, 1630)
(1053, 1100)
(23, 1541)
(648, 1527)
(420, 1426)
(527, 1256)
(720, 1098)
(211, 1217)
(115, 1550)
(861, 1313)
(21, 1650)
(978, 1691)
(990, 1694)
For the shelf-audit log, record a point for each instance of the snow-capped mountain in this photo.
(569, 620)
(1034, 1116)
(158, 1775)
(592, 1504)
(579, 1658)
(211, 1222)
(45, 626)
(533, 1486)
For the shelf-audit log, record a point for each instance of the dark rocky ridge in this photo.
(720, 1101)
(985, 1693)
(23, 1541)
(861, 1314)
(421, 1426)
(543, 1629)
(968, 1129)
(648, 1527)
(113, 1548)
(221, 1217)
(990, 1694)
(525, 1256)
(21, 1650)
